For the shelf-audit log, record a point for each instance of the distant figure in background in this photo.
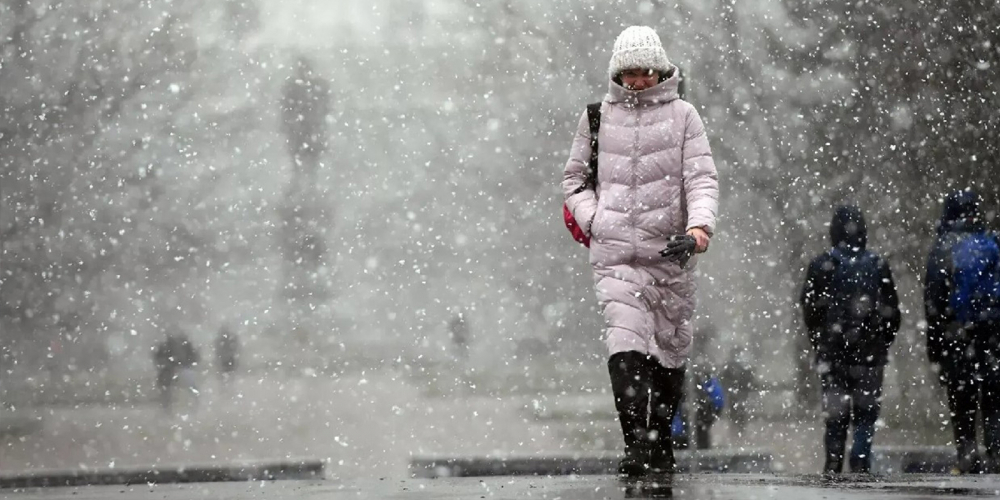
(458, 330)
(227, 351)
(709, 400)
(851, 310)
(741, 382)
(679, 436)
(174, 359)
(963, 326)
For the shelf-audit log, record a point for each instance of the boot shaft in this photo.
(631, 387)
(647, 396)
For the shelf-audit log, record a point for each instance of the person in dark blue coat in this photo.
(851, 311)
(960, 304)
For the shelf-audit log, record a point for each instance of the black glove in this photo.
(680, 249)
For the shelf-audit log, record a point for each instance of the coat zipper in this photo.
(635, 183)
(651, 341)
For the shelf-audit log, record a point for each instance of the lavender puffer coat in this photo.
(656, 178)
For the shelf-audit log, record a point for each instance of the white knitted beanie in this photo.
(638, 47)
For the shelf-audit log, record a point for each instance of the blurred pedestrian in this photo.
(646, 211)
(740, 381)
(851, 311)
(680, 435)
(227, 352)
(458, 331)
(175, 358)
(963, 319)
(709, 401)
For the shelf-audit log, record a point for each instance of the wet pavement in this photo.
(695, 486)
(267, 418)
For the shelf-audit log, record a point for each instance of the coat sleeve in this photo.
(815, 299)
(889, 315)
(937, 288)
(701, 180)
(581, 203)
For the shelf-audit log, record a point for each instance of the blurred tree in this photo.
(305, 213)
(97, 127)
(243, 18)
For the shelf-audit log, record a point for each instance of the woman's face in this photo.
(639, 79)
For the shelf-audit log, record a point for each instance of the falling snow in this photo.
(346, 216)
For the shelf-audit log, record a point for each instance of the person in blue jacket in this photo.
(960, 304)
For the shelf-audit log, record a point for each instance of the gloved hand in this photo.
(679, 249)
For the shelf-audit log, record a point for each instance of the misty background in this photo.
(337, 180)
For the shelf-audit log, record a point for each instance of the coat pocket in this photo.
(597, 226)
(673, 340)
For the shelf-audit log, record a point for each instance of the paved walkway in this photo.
(701, 487)
(364, 425)
(368, 425)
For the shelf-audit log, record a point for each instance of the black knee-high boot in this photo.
(667, 388)
(630, 385)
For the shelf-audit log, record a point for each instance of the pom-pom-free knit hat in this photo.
(638, 47)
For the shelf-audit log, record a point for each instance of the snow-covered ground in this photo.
(695, 486)
(364, 424)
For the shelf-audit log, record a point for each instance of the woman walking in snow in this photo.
(653, 206)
